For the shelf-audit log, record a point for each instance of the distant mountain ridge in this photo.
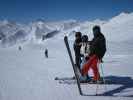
(118, 28)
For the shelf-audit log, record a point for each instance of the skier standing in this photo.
(19, 48)
(97, 51)
(77, 47)
(85, 51)
(46, 53)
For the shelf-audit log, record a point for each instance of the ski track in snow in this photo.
(28, 75)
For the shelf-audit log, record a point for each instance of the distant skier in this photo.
(19, 48)
(97, 51)
(77, 47)
(46, 53)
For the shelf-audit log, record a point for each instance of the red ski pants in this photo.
(91, 63)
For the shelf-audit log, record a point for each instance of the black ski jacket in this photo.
(98, 46)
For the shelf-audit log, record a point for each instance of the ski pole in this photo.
(102, 73)
(97, 85)
(103, 77)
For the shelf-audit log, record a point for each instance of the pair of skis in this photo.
(73, 65)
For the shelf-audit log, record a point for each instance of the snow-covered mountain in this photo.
(12, 32)
(118, 28)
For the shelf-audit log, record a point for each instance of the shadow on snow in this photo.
(124, 82)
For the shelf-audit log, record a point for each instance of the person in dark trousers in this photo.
(77, 47)
(97, 51)
(46, 53)
(19, 48)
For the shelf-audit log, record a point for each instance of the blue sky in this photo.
(52, 10)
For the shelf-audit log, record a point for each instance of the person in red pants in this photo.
(97, 51)
(91, 63)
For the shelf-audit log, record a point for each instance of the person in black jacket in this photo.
(77, 47)
(97, 51)
(98, 43)
(46, 53)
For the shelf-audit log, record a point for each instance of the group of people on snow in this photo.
(89, 53)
